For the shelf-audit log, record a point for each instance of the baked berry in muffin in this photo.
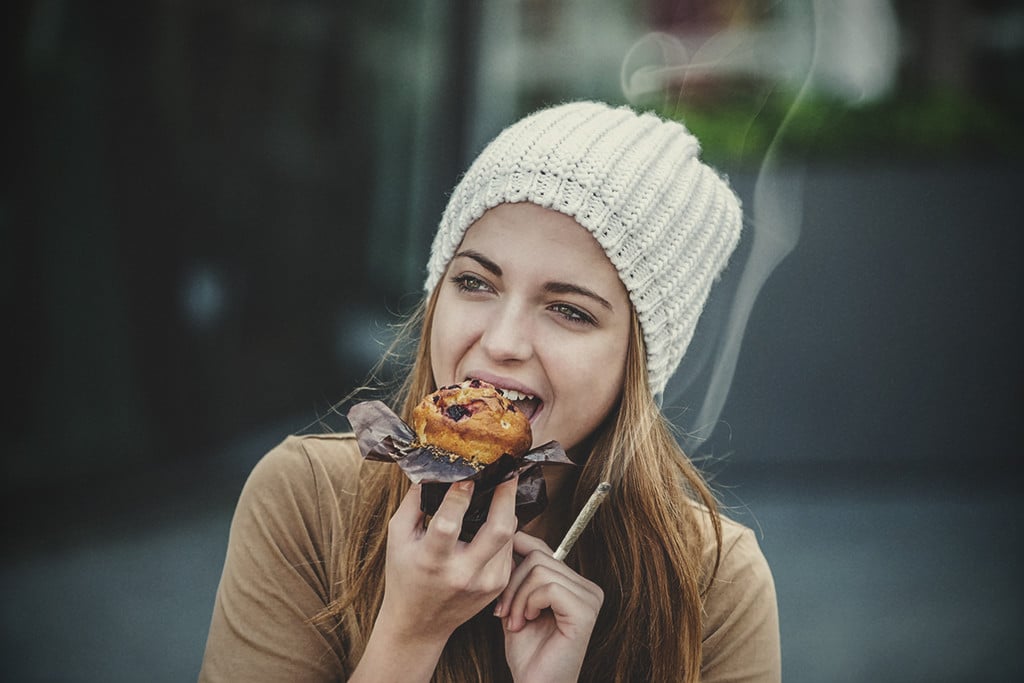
(472, 420)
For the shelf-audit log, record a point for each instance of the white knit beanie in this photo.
(667, 221)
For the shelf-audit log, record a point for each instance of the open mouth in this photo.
(526, 404)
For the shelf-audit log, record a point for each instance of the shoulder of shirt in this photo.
(336, 448)
(741, 625)
(328, 462)
(739, 542)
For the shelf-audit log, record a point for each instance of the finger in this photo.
(493, 576)
(524, 594)
(446, 524)
(408, 518)
(537, 568)
(500, 527)
(574, 613)
(574, 600)
(524, 544)
(533, 552)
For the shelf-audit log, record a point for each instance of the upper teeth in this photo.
(513, 395)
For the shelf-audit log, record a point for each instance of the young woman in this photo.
(570, 266)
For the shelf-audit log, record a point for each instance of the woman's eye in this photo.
(470, 283)
(573, 314)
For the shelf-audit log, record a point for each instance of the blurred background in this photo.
(211, 212)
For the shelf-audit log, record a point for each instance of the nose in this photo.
(507, 335)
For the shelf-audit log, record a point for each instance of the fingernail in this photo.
(497, 609)
(466, 485)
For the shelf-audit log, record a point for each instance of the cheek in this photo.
(591, 378)
(600, 365)
(601, 392)
(449, 338)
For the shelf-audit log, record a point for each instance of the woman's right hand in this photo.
(433, 581)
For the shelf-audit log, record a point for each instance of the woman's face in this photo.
(531, 304)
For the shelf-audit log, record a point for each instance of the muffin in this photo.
(473, 421)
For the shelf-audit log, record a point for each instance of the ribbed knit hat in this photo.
(667, 221)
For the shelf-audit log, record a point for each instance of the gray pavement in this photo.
(890, 587)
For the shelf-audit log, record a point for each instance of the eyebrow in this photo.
(481, 259)
(569, 288)
(550, 287)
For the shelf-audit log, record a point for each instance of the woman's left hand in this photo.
(548, 612)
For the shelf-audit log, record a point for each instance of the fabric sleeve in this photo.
(275, 579)
(741, 633)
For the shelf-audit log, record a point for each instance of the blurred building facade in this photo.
(214, 209)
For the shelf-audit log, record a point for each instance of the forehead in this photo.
(524, 234)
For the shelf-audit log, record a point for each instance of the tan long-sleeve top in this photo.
(279, 564)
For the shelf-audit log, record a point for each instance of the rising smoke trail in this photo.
(773, 222)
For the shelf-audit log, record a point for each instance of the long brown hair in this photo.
(644, 546)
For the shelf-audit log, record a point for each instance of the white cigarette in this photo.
(596, 498)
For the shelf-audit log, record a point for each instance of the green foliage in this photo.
(739, 129)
